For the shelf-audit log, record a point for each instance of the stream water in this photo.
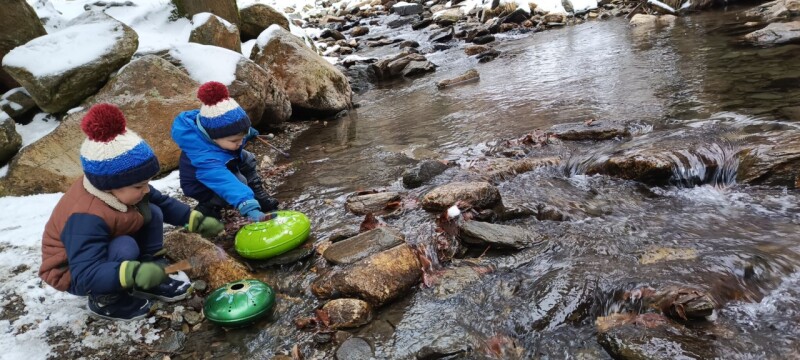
(738, 243)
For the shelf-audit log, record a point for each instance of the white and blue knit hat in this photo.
(112, 156)
(220, 115)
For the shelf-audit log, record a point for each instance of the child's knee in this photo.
(123, 248)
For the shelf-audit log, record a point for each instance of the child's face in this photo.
(133, 194)
(231, 143)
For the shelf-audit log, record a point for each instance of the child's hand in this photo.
(206, 226)
(251, 209)
(144, 275)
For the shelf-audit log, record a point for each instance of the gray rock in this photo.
(370, 203)
(631, 337)
(348, 313)
(596, 130)
(16, 102)
(215, 31)
(331, 34)
(289, 257)
(59, 92)
(408, 44)
(192, 317)
(501, 236)
(417, 68)
(480, 40)
(421, 24)
(170, 342)
(200, 285)
(359, 31)
(10, 140)
(395, 66)
(471, 75)
(257, 18)
(445, 346)
(477, 194)
(775, 34)
(399, 21)
(354, 348)
(362, 245)
(423, 173)
(20, 25)
(407, 9)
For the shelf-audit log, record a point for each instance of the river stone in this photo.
(209, 29)
(397, 22)
(774, 161)
(662, 254)
(774, 10)
(377, 279)
(404, 9)
(10, 140)
(454, 279)
(424, 172)
(682, 303)
(354, 348)
(362, 245)
(649, 336)
(170, 341)
(502, 236)
(475, 49)
(16, 30)
(311, 82)
(332, 34)
(447, 17)
(59, 92)
(775, 34)
(258, 17)
(359, 31)
(445, 346)
(643, 20)
(501, 169)
(16, 102)
(192, 317)
(469, 76)
(225, 9)
(150, 92)
(477, 194)
(416, 68)
(482, 40)
(289, 257)
(370, 203)
(209, 262)
(395, 66)
(597, 130)
(348, 313)
(421, 24)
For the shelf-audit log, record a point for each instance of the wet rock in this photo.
(775, 10)
(258, 17)
(209, 29)
(16, 102)
(487, 56)
(359, 31)
(454, 279)
(312, 84)
(417, 68)
(443, 35)
(51, 164)
(330, 19)
(289, 257)
(408, 44)
(395, 66)
(10, 140)
(667, 254)
(348, 313)
(649, 336)
(517, 16)
(595, 130)
(370, 203)
(424, 172)
(225, 9)
(776, 34)
(501, 169)
(475, 49)
(471, 75)
(170, 342)
(476, 194)
(481, 40)
(421, 24)
(57, 92)
(682, 303)
(331, 34)
(382, 42)
(209, 262)
(773, 161)
(377, 279)
(363, 245)
(20, 25)
(447, 17)
(399, 22)
(200, 285)
(403, 8)
(500, 236)
(643, 19)
(354, 348)
(554, 18)
(445, 346)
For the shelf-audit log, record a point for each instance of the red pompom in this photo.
(103, 122)
(212, 92)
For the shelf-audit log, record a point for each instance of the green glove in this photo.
(206, 226)
(145, 275)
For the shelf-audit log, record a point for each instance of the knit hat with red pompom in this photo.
(112, 156)
(220, 115)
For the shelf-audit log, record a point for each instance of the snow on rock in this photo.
(41, 125)
(247, 47)
(207, 63)
(202, 18)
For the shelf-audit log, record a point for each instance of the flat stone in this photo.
(363, 245)
(16, 102)
(423, 173)
(421, 24)
(476, 194)
(370, 203)
(597, 130)
(348, 313)
(501, 236)
(480, 40)
(354, 348)
(469, 76)
(404, 9)
(475, 49)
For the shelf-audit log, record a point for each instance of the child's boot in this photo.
(171, 290)
(120, 306)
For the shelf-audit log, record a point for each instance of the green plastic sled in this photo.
(239, 303)
(263, 240)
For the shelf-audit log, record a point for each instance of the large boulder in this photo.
(377, 279)
(150, 92)
(362, 245)
(58, 77)
(253, 87)
(225, 9)
(20, 25)
(10, 140)
(477, 194)
(258, 17)
(776, 34)
(312, 83)
(209, 29)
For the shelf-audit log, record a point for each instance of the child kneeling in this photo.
(105, 236)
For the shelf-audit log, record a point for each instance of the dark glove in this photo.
(144, 275)
(206, 226)
(268, 203)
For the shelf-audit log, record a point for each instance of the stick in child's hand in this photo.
(182, 265)
(273, 146)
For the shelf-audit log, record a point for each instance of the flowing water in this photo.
(739, 243)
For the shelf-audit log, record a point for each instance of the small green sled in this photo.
(239, 303)
(263, 240)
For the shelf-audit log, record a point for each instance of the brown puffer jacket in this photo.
(120, 219)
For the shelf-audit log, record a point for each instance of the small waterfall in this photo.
(715, 164)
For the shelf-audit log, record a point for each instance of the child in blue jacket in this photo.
(215, 169)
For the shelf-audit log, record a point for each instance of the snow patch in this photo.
(207, 63)
(202, 18)
(247, 47)
(41, 125)
(267, 35)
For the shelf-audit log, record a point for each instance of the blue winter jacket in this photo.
(205, 168)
